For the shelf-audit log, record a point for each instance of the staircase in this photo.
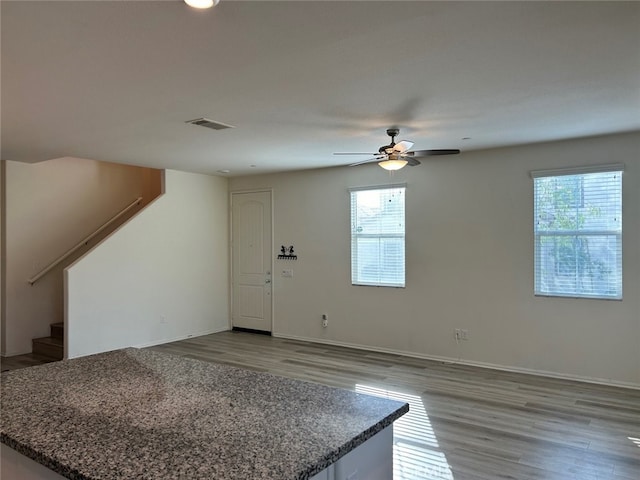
(50, 348)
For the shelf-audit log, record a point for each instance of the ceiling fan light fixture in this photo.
(396, 155)
(201, 4)
(392, 164)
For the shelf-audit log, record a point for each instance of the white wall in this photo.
(163, 276)
(469, 250)
(49, 207)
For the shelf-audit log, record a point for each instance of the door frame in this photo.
(268, 190)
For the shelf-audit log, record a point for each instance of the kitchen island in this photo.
(141, 414)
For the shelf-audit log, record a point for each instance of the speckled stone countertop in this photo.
(143, 414)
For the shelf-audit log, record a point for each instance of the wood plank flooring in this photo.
(22, 361)
(465, 423)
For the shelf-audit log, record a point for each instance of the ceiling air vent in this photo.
(205, 122)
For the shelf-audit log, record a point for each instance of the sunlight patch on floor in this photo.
(416, 453)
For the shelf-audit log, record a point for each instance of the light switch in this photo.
(287, 273)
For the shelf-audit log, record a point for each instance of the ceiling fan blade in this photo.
(358, 153)
(369, 160)
(431, 153)
(402, 146)
(412, 162)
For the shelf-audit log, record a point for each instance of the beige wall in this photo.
(3, 256)
(50, 207)
(469, 250)
(163, 276)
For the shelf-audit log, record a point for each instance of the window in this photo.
(578, 232)
(377, 236)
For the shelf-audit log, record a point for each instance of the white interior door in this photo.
(251, 260)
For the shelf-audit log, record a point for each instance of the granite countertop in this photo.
(143, 414)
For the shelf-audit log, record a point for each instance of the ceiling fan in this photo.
(396, 155)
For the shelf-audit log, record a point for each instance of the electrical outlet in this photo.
(457, 334)
(325, 320)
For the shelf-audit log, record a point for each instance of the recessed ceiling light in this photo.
(201, 4)
(252, 166)
(466, 138)
(224, 170)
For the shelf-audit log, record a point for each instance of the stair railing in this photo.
(83, 242)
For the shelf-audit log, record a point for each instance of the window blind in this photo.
(377, 236)
(578, 234)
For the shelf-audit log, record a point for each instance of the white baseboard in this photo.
(472, 363)
(181, 337)
(161, 342)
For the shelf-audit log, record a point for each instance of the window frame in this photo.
(577, 234)
(355, 235)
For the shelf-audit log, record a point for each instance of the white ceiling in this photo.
(116, 81)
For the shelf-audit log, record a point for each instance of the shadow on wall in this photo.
(50, 208)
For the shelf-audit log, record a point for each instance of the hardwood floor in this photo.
(465, 423)
(22, 361)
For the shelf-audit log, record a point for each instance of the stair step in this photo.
(49, 347)
(57, 330)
